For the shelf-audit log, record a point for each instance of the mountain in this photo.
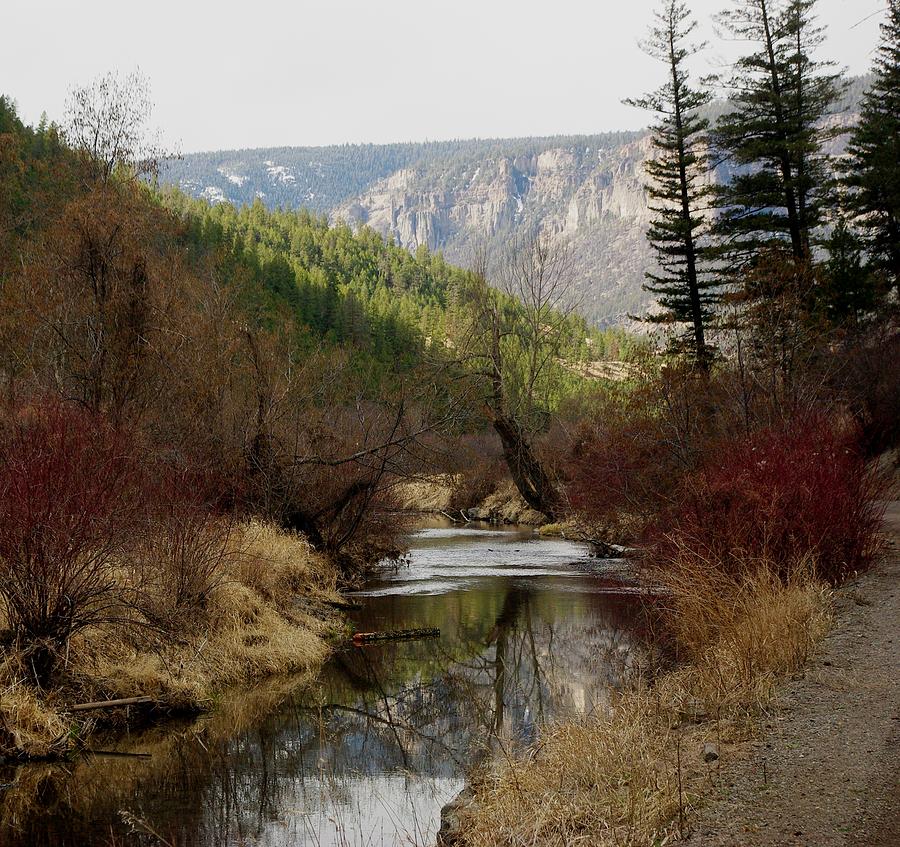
(450, 195)
(446, 195)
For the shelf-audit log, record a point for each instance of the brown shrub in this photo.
(480, 469)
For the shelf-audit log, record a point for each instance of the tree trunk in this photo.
(527, 472)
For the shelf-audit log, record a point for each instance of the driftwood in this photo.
(395, 635)
(122, 754)
(112, 704)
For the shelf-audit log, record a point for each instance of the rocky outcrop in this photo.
(591, 196)
(450, 195)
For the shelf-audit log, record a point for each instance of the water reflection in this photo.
(369, 752)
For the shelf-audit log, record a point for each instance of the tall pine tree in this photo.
(873, 167)
(773, 135)
(679, 185)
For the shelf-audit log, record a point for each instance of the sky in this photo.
(228, 75)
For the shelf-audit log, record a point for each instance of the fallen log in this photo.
(112, 704)
(395, 635)
(118, 754)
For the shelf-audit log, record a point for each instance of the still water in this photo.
(367, 753)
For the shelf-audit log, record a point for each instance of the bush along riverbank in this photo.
(121, 581)
(746, 559)
(266, 609)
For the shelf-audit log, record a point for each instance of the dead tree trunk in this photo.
(528, 473)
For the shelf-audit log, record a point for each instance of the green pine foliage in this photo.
(849, 292)
(773, 134)
(679, 186)
(351, 289)
(37, 174)
(873, 168)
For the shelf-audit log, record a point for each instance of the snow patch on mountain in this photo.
(231, 176)
(214, 194)
(279, 173)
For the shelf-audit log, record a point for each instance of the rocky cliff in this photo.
(449, 195)
(590, 195)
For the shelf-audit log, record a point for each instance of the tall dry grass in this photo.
(633, 775)
(264, 609)
(266, 613)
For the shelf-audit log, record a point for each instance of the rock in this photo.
(694, 711)
(710, 752)
(605, 550)
(592, 195)
(451, 827)
(477, 514)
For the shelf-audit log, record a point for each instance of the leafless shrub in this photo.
(68, 485)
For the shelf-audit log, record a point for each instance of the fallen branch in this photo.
(118, 754)
(112, 704)
(395, 635)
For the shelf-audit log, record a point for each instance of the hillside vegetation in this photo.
(452, 196)
(210, 414)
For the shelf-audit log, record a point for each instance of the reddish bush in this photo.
(68, 504)
(630, 452)
(615, 468)
(802, 488)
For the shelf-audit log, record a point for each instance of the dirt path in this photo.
(827, 770)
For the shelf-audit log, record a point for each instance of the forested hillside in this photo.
(322, 178)
(353, 290)
(452, 196)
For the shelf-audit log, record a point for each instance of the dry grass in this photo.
(27, 723)
(266, 614)
(506, 504)
(633, 775)
(741, 634)
(446, 495)
(279, 566)
(427, 495)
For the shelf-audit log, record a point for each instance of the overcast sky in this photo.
(260, 73)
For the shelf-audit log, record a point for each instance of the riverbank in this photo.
(269, 611)
(449, 496)
(826, 769)
(633, 773)
(777, 733)
(370, 748)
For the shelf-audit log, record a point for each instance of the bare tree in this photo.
(515, 337)
(109, 121)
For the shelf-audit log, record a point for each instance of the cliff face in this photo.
(591, 196)
(449, 195)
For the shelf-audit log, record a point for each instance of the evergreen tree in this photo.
(873, 169)
(849, 291)
(773, 135)
(679, 187)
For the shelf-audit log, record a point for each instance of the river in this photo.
(532, 629)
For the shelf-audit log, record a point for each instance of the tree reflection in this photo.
(374, 747)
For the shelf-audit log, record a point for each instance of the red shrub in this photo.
(803, 488)
(616, 466)
(68, 504)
